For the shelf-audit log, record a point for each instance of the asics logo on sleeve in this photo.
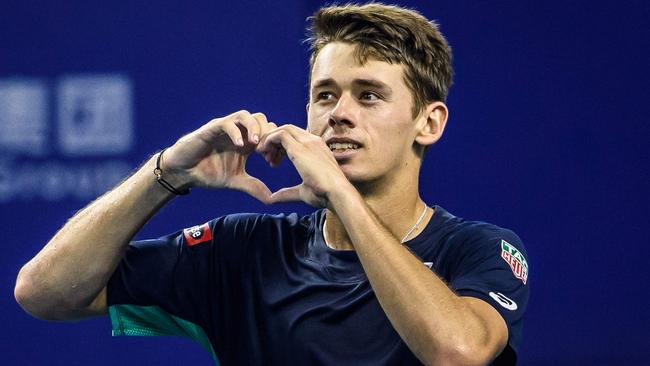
(504, 301)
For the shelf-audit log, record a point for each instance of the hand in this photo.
(215, 155)
(312, 158)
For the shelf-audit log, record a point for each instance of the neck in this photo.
(397, 205)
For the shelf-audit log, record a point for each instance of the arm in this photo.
(67, 278)
(436, 324)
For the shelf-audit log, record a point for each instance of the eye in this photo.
(324, 96)
(369, 96)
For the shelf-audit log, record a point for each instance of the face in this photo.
(363, 112)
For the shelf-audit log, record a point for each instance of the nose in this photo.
(343, 112)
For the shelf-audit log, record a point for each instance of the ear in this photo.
(431, 123)
(307, 107)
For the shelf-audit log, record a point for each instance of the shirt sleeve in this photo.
(171, 285)
(493, 267)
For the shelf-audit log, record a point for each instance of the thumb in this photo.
(252, 186)
(287, 194)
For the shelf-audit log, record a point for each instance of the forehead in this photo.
(338, 61)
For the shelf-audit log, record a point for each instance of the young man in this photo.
(374, 277)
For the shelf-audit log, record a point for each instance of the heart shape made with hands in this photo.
(273, 177)
(216, 156)
(312, 160)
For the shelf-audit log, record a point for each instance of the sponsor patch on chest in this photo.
(515, 260)
(197, 234)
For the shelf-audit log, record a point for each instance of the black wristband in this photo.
(158, 172)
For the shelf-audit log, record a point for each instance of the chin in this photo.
(367, 181)
(358, 178)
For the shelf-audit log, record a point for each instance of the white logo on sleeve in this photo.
(503, 300)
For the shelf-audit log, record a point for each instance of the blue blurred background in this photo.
(548, 136)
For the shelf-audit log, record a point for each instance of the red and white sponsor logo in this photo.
(197, 234)
(515, 260)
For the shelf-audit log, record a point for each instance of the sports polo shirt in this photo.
(266, 289)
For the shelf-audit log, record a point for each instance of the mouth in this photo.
(340, 145)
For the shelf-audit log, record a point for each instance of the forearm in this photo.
(65, 280)
(69, 272)
(433, 321)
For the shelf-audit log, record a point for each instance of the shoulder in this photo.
(462, 234)
(466, 244)
(252, 220)
(478, 234)
(248, 225)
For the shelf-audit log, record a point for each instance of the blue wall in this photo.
(548, 136)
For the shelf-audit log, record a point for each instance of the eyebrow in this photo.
(323, 83)
(376, 84)
(329, 82)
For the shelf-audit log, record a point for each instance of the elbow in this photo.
(44, 299)
(459, 352)
(32, 297)
(458, 357)
(24, 293)
(464, 354)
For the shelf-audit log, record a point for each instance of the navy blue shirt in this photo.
(266, 289)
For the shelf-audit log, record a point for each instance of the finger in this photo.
(286, 140)
(269, 128)
(292, 151)
(299, 134)
(258, 130)
(252, 186)
(269, 143)
(292, 130)
(288, 194)
(266, 128)
(245, 120)
(231, 129)
(276, 157)
(278, 138)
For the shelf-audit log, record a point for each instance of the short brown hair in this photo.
(392, 34)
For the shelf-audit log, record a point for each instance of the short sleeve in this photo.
(171, 285)
(494, 268)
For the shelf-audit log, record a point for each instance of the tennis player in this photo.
(374, 276)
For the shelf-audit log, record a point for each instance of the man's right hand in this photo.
(214, 156)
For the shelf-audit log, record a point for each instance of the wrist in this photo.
(145, 179)
(172, 180)
(345, 193)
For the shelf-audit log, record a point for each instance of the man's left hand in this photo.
(313, 160)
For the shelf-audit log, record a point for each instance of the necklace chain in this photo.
(419, 220)
(416, 224)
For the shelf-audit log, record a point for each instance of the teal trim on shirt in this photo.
(136, 320)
